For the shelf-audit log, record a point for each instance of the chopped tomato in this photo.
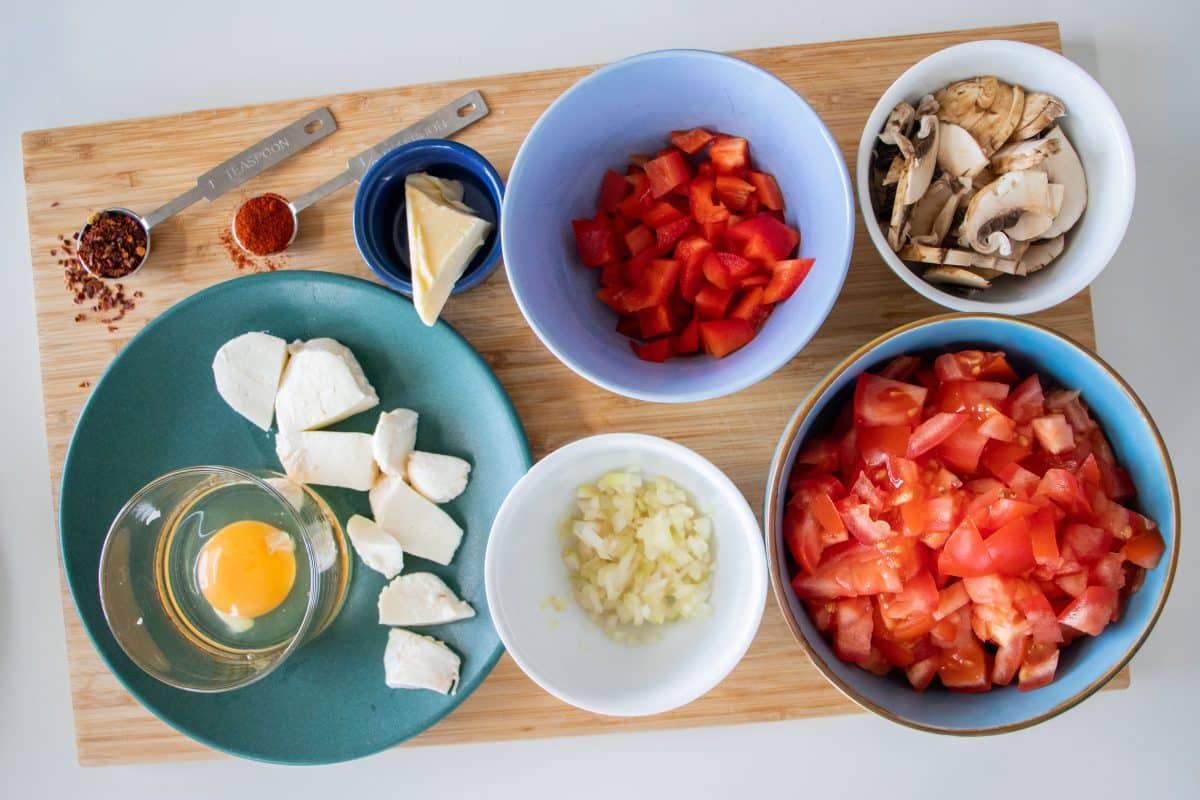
(802, 534)
(1026, 401)
(692, 141)
(1011, 548)
(876, 443)
(721, 337)
(933, 431)
(1145, 548)
(880, 401)
(965, 553)
(965, 668)
(1038, 666)
(1043, 539)
(1091, 611)
(974, 365)
(1008, 661)
(1063, 488)
(1053, 433)
(962, 448)
(921, 673)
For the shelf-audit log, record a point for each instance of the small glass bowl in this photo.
(151, 598)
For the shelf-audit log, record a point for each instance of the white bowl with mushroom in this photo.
(996, 176)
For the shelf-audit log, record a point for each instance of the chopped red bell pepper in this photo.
(764, 238)
(733, 191)
(711, 302)
(729, 154)
(738, 267)
(691, 142)
(688, 340)
(749, 306)
(667, 171)
(658, 350)
(654, 321)
(612, 190)
(594, 241)
(639, 238)
(786, 279)
(721, 337)
(766, 189)
(661, 213)
(704, 208)
(717, 272)
(667, 235)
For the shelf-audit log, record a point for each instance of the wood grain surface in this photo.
(72, 172)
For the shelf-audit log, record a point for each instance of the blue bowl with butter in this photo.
(450, 215)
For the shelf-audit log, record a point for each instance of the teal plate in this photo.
(156, 409)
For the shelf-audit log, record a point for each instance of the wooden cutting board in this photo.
(71, 172)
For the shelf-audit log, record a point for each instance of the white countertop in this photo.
(55, 58)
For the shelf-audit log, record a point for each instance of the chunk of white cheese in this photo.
(422, 528)
(443, 235)
(327, 458)
(377, 548)
(247, 370)
(420, 598)
(322, 384)
(395, 436)
(413, 661)
(438, 478)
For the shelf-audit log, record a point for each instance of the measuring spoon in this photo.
(441, 124)
(230, 174)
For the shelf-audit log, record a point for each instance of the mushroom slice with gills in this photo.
(1064, 167)
(956, 276)
(1039, 113)
(920, 166)
(999, 206)
(898, 127)
(1024, 155)
(1040, 254)
(930, 218)
(1033, 224)
(959, 155)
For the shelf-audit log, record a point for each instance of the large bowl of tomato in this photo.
(677, 225)
(972, 524)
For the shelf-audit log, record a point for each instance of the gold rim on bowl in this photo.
(771, 524)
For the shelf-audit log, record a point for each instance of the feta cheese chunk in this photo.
(412, 661)
(443, 235)
(247, 370)
(322, 384)
(438, 478)
(377, 548)
(327, 458)
(420, 598)
(422, 528)
(395, 436)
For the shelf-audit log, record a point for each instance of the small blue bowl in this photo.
(1086, 664)
(380, 224)
(631, 107)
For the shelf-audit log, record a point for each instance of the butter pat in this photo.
(327, 458)
(443, 235)
(413, 661)
(395, 436)
(246, 370)
(322, 384)
(422, 528)
(377, 548)
(420, 598)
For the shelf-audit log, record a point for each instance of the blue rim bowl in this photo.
(380, 228)
(630, 107)
(1086, 664)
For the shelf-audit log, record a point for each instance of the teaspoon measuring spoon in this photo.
(441, 124)
(230, 174)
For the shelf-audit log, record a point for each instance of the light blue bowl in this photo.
(1087, 664)
(630, 107)
(380, 215)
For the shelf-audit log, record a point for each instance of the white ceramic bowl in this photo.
(1095, 129)
(564, 651)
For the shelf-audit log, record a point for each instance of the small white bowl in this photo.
(564, 651)
(1103, 147)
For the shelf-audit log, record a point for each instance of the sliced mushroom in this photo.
(933, 213)
(1040, 112)
(988, 108)
(959, 155)
(894, 170)
(1033, 224)
(926, 106)
(1064, 167)
(1040, 254)
(898, 128)
(954, 257)
(1024, 155)
(956, 276)
(920, 166)
(999, 206)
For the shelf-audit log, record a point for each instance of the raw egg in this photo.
(246, 569)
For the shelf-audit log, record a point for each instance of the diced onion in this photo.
(638, 553)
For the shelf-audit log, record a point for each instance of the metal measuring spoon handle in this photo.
(444, 122)
(255, 159)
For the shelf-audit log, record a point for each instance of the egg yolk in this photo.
(246, 569)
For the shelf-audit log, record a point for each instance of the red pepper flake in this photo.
(264, 224)
(80, 317)
(245, 261)
(84, 384)
(112, 328)
(104, 298)
(54, 204)
(113, 244)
